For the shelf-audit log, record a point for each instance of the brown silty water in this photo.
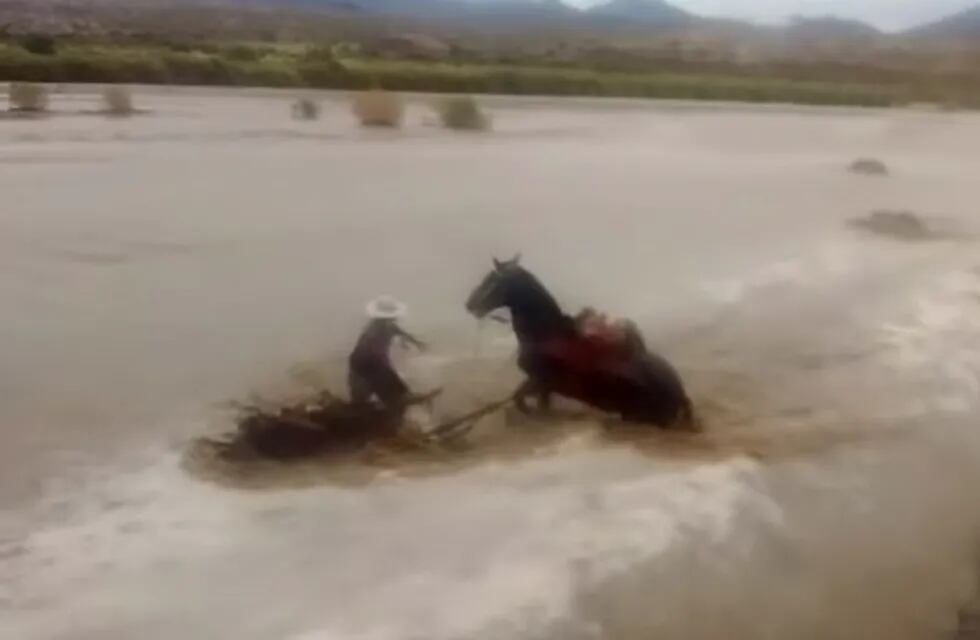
(155, 267)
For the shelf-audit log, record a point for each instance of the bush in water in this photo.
(463, 113)
(377, 108)
(117, 101)
(901, 225)
(869, 167)
(27, 96)
(306, 109)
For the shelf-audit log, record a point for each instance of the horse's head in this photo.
(494, 291)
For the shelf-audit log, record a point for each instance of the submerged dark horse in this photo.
(639, 386)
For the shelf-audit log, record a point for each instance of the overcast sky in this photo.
(886, 14)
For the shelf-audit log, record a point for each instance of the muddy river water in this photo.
(154, 267)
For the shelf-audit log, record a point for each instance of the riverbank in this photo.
(312, 67)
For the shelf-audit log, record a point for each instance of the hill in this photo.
(650, 13)
(964, 25)
(831, 28)
(518, 12)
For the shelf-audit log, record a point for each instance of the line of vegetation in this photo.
(270, 65)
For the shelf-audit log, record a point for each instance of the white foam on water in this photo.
(878, 539)
(826, 264)
(417, 545)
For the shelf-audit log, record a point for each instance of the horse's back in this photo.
(657, 372)
(640, 386)
(662, 398)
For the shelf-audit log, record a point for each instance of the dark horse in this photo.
(557, 358)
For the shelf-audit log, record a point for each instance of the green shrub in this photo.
(319, 68)
(463, 113)
(82, 66)
(138, 69)
(17, 64)
(377, 108)
(198, 68)
(29, 97)
(179, 47)
(39, 44)
(321, 54)
(267, 73)
(323, 75)
(243, 53)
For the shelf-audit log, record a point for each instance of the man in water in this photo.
(371, 372)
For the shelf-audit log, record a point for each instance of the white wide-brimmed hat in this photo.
(386, 308)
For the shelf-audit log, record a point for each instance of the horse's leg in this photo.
(521, 394)
(544, 398)
(531, 387)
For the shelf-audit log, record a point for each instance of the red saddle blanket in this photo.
(582, 353)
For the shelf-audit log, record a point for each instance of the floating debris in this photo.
(869, 167)
(901, 225)
(325, 423)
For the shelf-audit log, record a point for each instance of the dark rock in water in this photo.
(902, 225)
(306, 109)
(869, 167)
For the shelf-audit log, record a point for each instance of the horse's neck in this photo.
(536, 315)
(532, 329)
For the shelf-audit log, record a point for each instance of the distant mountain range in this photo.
(645, 15)
(830, 27)
(648, 12)
(964, 25)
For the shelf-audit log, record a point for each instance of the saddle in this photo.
(598, 344)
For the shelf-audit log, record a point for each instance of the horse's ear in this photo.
(517, 259)
(497, 264)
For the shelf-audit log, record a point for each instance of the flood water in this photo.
(156, 267)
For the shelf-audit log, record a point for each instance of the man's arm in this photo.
(409, 338)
